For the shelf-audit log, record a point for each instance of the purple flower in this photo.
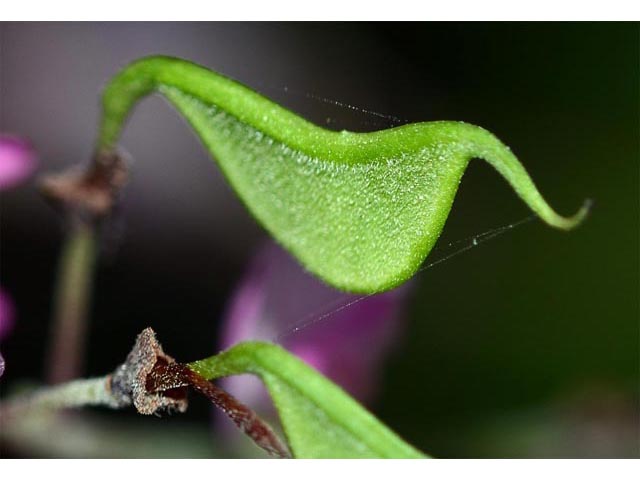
(344, 336)
(17, 163)
(7, 317)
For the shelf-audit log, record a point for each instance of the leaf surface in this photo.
(320, 420)
(360, 210)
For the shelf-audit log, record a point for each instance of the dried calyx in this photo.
(153, 382)
(90, 193)
(128, 383)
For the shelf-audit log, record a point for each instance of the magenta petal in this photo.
(346, 343)
(17, 161)
(7, 314)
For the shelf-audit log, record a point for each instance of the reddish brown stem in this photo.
(171, 376)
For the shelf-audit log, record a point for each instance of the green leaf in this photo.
(360, 210)
(318, 417)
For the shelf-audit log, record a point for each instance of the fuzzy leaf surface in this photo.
(320, 419)
(359, 210)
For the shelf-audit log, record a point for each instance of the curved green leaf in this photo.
(360, 210)
(318, 417)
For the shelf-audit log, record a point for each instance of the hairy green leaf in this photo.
(318, 417)
(360, 210)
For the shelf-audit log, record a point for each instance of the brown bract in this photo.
(90, 192)
(128, 383)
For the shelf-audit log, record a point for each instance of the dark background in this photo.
(525, 346)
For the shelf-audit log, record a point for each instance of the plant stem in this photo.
(87, 197)
(72, 299)
(84, 434)
(79, 393)
(126, 385)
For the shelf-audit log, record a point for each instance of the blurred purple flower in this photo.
(344, 336)
(17, 163)
(7, 314)
(7, 317)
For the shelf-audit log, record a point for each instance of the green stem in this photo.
(72, 299)
(83, 434)
(79, 393)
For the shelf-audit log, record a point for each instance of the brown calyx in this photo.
(154, 382)
(90, 192)
(128, 383)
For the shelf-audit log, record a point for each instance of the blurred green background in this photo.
(527, 346)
